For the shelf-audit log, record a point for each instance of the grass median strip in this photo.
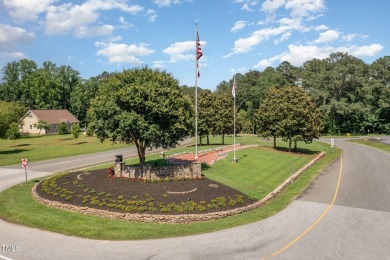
(373, 143)
(17, 205)
(38, 148)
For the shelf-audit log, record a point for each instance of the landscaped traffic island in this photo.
(170, 199)
(96, 193)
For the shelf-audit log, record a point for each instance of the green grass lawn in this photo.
(371, 143)
(258, 171)
(38, 148)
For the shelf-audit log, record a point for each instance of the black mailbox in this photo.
(118, 158)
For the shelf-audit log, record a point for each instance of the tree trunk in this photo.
(200, 140)
(274, 141)
(289, 144)
(295, 146)
(223, 138)
(208, 140)
(142, 158)
(141, 152)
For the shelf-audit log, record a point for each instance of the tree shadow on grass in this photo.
(19, 145)
(297, 151)
(15, 151)
(242, 157)
(80, 143)
(65, 139)
(200, 146)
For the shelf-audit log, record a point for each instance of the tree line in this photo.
(351, 95)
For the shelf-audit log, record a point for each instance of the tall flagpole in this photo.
(198, 55)
(234, 138)
(196, 91)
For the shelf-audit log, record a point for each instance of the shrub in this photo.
(232, 202)
(76, 131)
(201, 208)
(89, 132)
(63, 128)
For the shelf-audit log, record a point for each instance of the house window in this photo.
(30, 127)
(55, 126)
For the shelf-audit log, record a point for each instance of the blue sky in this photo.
(93, 36)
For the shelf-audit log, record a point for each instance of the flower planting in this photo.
(97, 189)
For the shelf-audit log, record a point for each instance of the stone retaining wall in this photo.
(184, 218)
(149, 172)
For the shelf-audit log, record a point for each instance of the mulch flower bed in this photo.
(95, 189)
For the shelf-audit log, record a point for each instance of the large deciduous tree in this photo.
(289, 113)
(224, 116)
(206, 114)
(301, 119)
(10, 112)
(141, 106)
(269, 115)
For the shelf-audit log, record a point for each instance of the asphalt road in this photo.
(356, 226)
(14, 174)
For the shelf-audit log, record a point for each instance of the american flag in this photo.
(198, 52)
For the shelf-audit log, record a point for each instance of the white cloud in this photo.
(92, 31)
(124, 24)
(165, 3)
(11, 38)
(305, 8)
(266, 62)
(321, 28)
(272, 5)
(263, 64)
(121, 5)
(349, 37)
(246, 7)
(242, 70)
(158, 64)
(284, 37)
(298, 54)
(151, 14)
(308, 9)
(299, 11)
(244, 45)
(366, 50)
(27, 10)
(78, 19)
(123, 53)
(182, 51)
(328, 36)
(288, 21)
(239, 25)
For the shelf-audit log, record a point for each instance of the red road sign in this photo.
(24, 163)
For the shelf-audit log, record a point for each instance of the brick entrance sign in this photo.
(149, 172)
